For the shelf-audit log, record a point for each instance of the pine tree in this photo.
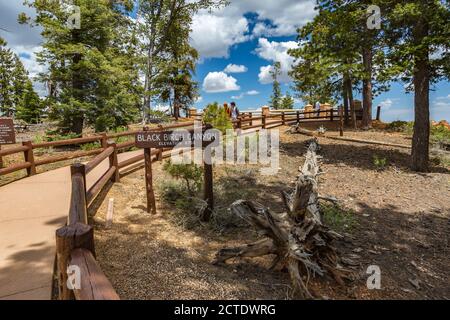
(275, 98)
(417, 37)
(91, 74)
(6, 80)
(30, 108)
(287, 102)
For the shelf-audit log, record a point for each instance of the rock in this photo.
(415, 283)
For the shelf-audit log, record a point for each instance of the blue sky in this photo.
(250, 34)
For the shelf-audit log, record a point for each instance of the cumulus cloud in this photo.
(215, 82)
(238, 97)
(275, 52)
(387, 103)
(214, 33)
(252, 93)
(234, 68)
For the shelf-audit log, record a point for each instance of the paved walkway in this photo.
(31, 210)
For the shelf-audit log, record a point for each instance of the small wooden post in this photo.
(104, 141)
(263, 121)
(151, 202)
(332, 115)
(341, 121)
(78, 202)
(114, 162)
(251, 117)
(29, 157)
(239, 123)
(208, 191)
(110, 213)
(68, 238)
(298, 116)
(283, 118)
(378, 113)
(1, 158)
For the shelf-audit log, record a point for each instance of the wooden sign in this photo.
(7, 133)
(171, 139)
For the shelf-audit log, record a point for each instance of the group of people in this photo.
(232, 111)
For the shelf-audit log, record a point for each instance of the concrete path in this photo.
(31, 210)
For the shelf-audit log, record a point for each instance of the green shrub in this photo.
(90, 146)
(440, 134)
(401, 126)
(217, 117)
(191, 174)
(379, 163)
(338, 218)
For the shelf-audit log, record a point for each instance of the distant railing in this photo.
(276, 118)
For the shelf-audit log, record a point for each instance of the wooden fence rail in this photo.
(28, 148)
(75, 248)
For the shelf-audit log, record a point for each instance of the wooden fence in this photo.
(248, 120)
(75, 248)
(28, 150)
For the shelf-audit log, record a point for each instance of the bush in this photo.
(217, 117)
(338, 218)
(401, 126)
(191, 174)
(440, 134)
(379, 163)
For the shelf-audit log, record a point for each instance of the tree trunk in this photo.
(351, 102)
(297, 238)
(345, 98)
(367, 88)
(421, 136)
(77, 120)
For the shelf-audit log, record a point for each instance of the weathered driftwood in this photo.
(297, 238)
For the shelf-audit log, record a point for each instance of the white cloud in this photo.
(387, 103)
(238, 97)
(214, 33)
(275, 52)
(252, 93)
(441, 104)
(219, 82)
(234, 68)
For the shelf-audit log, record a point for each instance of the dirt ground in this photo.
(401, 224)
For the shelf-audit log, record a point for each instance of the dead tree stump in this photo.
(297, 238)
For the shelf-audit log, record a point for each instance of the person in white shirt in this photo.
(317, 107)
(234, 111)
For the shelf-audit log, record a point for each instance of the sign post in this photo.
(151, 203)
(169, 139)
(7, 134)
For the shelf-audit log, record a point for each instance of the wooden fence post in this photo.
(378, 113)
(68, 238)
(151, 202)
(341, 121)
(104, 141)
(251, 117)
(332, 115)
(298, 116)
(1, 158)
(283, 118)
(114, 162)
(78, 202)
(208, 188)
(29, 157)
(263, 121)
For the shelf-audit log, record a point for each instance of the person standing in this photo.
(317, 107)
(227, 109)
(234, 111)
